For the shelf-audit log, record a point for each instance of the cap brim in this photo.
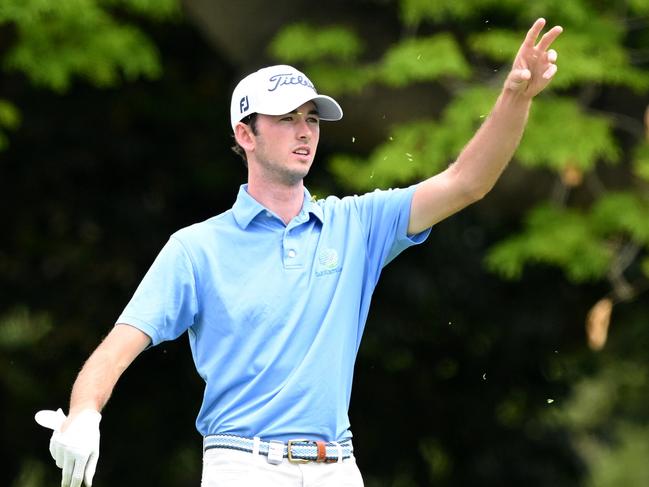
(328, 108)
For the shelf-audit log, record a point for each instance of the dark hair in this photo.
(236, 148)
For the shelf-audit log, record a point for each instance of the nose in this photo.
(304, 131)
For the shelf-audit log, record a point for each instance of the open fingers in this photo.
(533, 33)
(549, 37)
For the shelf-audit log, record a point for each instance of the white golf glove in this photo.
(76, 450)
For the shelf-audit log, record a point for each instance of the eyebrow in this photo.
(311, 112)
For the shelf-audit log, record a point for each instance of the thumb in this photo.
(50, 419)
(518, 79)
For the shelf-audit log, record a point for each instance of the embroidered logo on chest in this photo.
(328, 262)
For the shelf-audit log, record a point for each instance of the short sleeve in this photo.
(165, 303)
(384, 215)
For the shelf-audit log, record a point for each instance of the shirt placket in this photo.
(293, 251)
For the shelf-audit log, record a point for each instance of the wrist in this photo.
(515, 98)
(77, 407)
(86, 415)
(513, 106)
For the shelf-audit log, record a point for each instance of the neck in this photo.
(285, 201)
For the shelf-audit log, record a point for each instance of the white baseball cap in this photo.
(277, 90)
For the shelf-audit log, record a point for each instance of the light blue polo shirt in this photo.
(274, 312)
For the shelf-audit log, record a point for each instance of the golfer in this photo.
(274, 293)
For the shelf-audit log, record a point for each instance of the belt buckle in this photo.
(291, 458)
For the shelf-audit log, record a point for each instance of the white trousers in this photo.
(231, 468)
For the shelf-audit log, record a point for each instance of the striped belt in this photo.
(296, 451)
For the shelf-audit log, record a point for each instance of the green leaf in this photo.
(9, 115)
(560, 133)
(597, 55)
(415, 11)
(468, 110)
(336, 79)
(501, 45)
(641, 161)
(622, 212)
(77, 38)
(645, 266)
(573, 12)
(21, 11)
(20, 328)
(9, 119)
(304, 43)
(423, 59)
(554, 236)
(27, 10)
(625, 461)
(638, 6)
(411, 152)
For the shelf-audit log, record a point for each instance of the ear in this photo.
(244, 136)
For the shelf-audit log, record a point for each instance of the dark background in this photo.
(457, 369)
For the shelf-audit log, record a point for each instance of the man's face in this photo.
(285, 145)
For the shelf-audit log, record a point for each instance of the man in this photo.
(274, 293)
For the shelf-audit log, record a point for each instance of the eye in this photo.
(314, 120)
(288, 118)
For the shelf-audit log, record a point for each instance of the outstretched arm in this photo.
(101, 371)
(75, 441)
(484, 158)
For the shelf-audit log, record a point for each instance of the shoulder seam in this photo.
(194, 272)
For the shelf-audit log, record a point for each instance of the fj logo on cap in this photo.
(243, 104)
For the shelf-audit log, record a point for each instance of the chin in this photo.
(294, 177)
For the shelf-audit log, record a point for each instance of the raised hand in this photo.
(534, 65)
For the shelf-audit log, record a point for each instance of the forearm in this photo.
(95, 382)
(99, 375)
(476, 169)
(487, 154)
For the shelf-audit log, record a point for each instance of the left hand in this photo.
(74, 445)
(534, 65)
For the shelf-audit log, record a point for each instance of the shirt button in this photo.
(291, 253)
(269, 214)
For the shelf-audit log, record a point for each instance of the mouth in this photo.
(302, 151)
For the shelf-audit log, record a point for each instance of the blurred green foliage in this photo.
(641, 161)
(583, 244)
(56, 42)
(482, 381)
(422, 59)
(9, 120)
(602, 413)
(300, 42)
(563, 135)
(557, 236)
(20, 328)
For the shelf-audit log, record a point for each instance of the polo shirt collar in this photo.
(246, 208)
